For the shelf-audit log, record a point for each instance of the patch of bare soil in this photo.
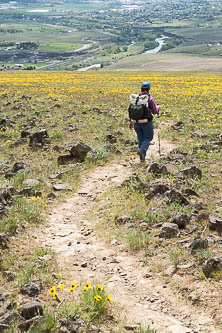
(185, 64)
(85, 256)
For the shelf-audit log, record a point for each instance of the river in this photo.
(160, 41)
(89, 67)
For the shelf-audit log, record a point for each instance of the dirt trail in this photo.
(86, 256)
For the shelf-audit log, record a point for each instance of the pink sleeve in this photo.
(154, 108)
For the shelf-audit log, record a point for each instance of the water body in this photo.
(160, 41)
(89, 67)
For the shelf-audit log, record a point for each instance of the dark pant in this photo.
(144, 133)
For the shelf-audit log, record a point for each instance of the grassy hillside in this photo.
(92, 107)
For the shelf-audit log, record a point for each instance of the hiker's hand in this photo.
(130, 125)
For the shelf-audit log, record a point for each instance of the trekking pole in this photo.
(158, 116)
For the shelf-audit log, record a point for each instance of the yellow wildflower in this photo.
(61, 286)
(74, 285)
(53, 292)
(100, 287)
(109, 298)
(88, 285)
(98, 298)
(85, 288)
(71, 289)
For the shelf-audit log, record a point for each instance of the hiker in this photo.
(144, 126)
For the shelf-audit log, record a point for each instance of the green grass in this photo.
(58, 47)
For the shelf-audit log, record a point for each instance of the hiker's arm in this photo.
(130, 124)
(154, 108)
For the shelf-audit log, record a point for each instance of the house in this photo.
(19, 66)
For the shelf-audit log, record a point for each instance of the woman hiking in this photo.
(144, 125)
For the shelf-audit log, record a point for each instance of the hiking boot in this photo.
(141, 155)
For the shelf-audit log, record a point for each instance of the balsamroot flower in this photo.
(98, 298)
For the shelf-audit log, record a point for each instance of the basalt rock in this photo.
(199, 243)
(31, 310)
(25, 134)
(211, 265)
(215, 223)
(189, 192)
(192, 171)
(20, 166)
(3, 240)
(177, 155)
(79, 151)
(25, 325)
(38, 138)
(10, 317)
(155, 189)
(61, 187)
(181, 220)
(169, 230)
(111, 138)
(31, 288)
(178, 125)
(175, 196)
(66, 159)
(157, 168)
(6, 195)
(30, 192)
(121, 220)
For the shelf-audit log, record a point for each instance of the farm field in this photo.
(168, 61)
(73, 227)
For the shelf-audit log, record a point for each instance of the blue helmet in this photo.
(145, 85)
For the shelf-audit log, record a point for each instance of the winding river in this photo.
(160, 41)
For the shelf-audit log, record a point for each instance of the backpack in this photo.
(138, 108)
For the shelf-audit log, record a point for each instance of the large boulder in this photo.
(79, 151)
(31, 310)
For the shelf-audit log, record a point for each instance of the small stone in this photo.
(211, 265)
(169, 230)
(31, 182)
(157, 168)
(181, 220)
(123, 220)
(84, 265)
(20, 166)
(3, 240)
(31, 288)
(192, 171)
(215, 223)
(62, 186)
(38, 138)
(199, 243)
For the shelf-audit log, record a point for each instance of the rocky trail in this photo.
(85, 256)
